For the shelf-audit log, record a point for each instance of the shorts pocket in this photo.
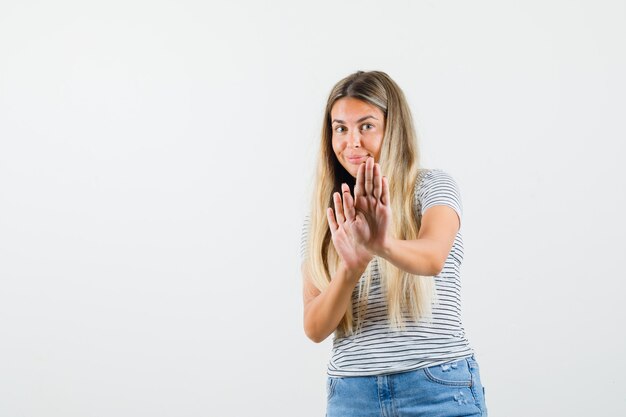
(454, 374)
(330, 387)
(478, 390)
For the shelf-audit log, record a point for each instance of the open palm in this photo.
(373, 209)
(344, 226)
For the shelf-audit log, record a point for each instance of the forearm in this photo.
(324, 313)
(418, 257)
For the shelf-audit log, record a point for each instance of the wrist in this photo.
(351, 274)
(383, 250)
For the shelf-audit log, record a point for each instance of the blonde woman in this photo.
(382, 251)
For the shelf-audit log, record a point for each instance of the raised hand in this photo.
(372, 204)
(345, 223)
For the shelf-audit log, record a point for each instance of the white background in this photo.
(156, 159)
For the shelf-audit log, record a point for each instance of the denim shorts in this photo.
(447, 390)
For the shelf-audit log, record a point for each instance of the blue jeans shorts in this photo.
(448, 390)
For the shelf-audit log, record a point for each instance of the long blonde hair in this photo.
(408, 296)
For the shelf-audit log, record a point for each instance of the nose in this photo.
(355, 138)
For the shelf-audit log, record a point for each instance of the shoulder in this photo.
(434, 177)
(437, 187)
(304, 236)
(429, 175)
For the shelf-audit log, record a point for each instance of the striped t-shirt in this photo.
(378, 349)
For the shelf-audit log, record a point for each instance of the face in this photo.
(357, 132)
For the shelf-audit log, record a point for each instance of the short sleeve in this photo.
(304, 238)
(438, 188)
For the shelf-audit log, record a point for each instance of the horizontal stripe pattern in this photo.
(378, 349)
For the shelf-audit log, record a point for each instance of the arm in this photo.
(324, 310)
(427, 254)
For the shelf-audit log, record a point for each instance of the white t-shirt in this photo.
(378, 349)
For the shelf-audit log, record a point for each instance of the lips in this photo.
(356, 159)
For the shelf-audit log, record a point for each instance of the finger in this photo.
(332, 224)
(369, 174)
(359, 187)
(338, 208)
(385, 199)
(348, 202)
(378, 182)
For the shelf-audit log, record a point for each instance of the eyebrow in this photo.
(358, 121)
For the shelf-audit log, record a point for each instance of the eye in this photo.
(339, 129)
(367, 126)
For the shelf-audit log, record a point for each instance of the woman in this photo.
(382, 251)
